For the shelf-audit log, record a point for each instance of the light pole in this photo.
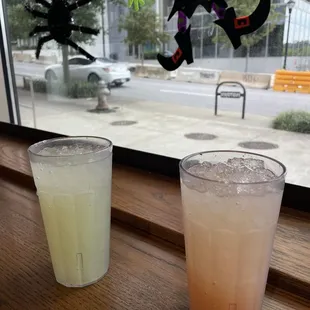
(290, 4)
(165, 44)
(103, 31)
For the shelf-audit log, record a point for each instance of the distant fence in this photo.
(26, 57)
(292, 81)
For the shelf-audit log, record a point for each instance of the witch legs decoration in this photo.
(234, 26)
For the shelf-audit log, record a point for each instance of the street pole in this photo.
(107, 50)
(103, 31)
(201, 37)
(216, 44)
(288, 32)
(164, 44)
(267, 41)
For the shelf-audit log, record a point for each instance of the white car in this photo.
(86, 70)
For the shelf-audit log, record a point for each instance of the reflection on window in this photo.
(169, 113)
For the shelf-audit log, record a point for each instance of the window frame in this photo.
(8, 67)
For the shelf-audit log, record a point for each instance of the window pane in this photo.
(159, 111)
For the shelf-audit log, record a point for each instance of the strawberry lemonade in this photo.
(230, 209)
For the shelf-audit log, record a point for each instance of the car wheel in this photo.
(118, 84)
(93, 78)
(50, 76)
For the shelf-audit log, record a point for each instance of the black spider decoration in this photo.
(59, 24)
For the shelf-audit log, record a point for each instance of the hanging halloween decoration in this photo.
(59, 24)
(219, 9)
(188, 7)
(184, 51)
(234, 26)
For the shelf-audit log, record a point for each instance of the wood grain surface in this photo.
(152, 203)
(145, 272)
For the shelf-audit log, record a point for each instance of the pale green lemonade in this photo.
(75, 202)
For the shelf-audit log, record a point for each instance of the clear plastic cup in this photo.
(73, 178)
(231, 203)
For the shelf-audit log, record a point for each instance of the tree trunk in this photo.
(65, 68)
(65, 64)
(247, 59)
(142, 55)
(139, 52)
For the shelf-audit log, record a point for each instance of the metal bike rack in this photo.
(230, 94)
(33, 107)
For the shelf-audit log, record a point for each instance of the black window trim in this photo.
(295, 197)
(8, 67)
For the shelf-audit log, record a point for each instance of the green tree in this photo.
(243, 8)
(143, 27)
(21, 23)
(301, 48)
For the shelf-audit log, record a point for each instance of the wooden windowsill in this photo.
(150, 203)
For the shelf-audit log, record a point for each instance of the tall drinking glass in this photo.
(231, 203)
(73, 180)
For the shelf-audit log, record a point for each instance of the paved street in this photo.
(29, 68)
(259, 102)
(163, 128)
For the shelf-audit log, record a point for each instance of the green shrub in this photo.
(73, 90)
(24, 47)
(297, 121)
(82, 90)
(150, 55)
(39, 86)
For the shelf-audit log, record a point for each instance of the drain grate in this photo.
(123, 123)
(199, 136)
(258, 145)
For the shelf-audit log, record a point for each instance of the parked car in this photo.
(168, 53)
(83, 69)
(129, 66)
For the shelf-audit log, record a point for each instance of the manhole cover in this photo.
(258, 145)
(199, 136)
(123, 123)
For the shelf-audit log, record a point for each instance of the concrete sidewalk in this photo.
(161, 128)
